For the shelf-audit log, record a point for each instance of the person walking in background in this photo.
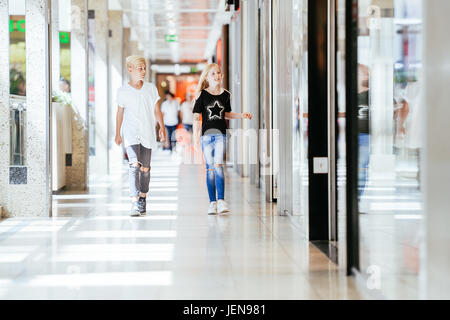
(187, 117)
(136, 114)
(363, 129)
(213, 104)
(171, 109)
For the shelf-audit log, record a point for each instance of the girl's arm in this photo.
(234, 115)
(197, 129)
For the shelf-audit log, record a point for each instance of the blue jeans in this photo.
(213, 147)
(171, 136)
(363, 161)
(188, 127)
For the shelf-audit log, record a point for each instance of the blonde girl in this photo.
(213, 104)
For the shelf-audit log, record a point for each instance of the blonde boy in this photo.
(137, 113)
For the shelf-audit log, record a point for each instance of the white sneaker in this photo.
(222, 207)
(212, 208)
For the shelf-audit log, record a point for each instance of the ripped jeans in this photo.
(139, 180)
(213, 147)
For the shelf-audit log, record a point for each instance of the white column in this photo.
(115, 71)
(282, 110)
(126, 34)
(99, 163)
(35, 194)
(250, 86)
(134, 47)
(76, 177)
(436, 167)
(4, 103)
(382, 159)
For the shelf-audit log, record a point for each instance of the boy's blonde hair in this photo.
(134, 61)
(203, 83)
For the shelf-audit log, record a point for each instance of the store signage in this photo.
(19, 25)
(171, 38)
(64, 37)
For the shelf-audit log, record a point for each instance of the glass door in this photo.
(390, 131)
(300, 107)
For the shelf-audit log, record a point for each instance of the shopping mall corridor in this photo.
(92, 248)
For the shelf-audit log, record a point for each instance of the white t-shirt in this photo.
(170, 110)
(139, 115)
(186, 109)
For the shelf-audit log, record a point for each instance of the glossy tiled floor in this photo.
(92, 249)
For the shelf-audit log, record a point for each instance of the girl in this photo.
(213, 104)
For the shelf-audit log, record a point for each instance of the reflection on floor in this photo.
(92, 249)
(390, 225)
(390, 232)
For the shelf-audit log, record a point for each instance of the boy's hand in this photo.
(247, 115)
(162, 134)
(118, 140)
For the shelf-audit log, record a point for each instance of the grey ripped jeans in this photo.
(139, 180)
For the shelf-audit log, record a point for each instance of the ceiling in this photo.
(194, 25)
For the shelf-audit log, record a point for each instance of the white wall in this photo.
(437, 149)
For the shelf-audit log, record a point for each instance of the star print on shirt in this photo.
(215, 112)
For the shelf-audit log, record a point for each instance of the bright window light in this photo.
(13, 257)
(150, 278)
(40, 229)
(127, 217)
(115, 252)
(79, 196)
(120, 206)
(127, 234)
(396, 206)
(408, 217)
(163, 184)
(154, 198)
(164, 190)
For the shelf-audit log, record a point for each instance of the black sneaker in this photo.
(134, 212)
(142, 204)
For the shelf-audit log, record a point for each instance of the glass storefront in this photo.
(390, 131)
(341, 168)
(64, 43)
(17, 82)
(300, 106)
(91, 84)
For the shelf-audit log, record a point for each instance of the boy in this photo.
(137, 110)
(171, 109)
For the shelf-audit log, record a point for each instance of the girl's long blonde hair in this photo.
(203, 83)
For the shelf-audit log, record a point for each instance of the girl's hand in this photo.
(247, 115)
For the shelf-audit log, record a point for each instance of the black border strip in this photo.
(351, 68)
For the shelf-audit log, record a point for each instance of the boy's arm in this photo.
(160, 118)
(119, 120)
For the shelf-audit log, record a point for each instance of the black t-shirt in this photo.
(363, 112)
(213, 108)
